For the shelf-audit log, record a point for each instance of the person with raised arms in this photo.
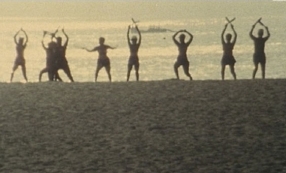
(61, 60)
(259, 56)
(182, 57)
(228, 45)
(50, 60)
(133, 47)
(20, 60)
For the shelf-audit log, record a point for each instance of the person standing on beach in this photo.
(20, 60)
(259, 45)
(103, 60)
(134, 47)
(61, 60)
(228, 58)
(182, 57)
(50, 61)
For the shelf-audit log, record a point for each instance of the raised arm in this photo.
(251, 32)
(128, 37)
(268, 33)
(267, 30)
(139, 33)
(191, 37)
(43, 45)
(67, 38)
(174, 37)
(222, 34)
(25, 36)
(15, 37)
(235, 34)
(253, 26)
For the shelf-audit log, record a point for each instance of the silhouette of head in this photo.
(101, 40)
(228, 37)
(21, 40)
(182, 38)
(59, 40)
(260, 32)
(134, 39)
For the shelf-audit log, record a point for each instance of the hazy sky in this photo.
(124, 9)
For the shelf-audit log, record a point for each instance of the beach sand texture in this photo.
(150, 127)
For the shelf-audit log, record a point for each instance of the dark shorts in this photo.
(104, 62)
(182, 61)
(133, 61)
(259, 58)
(19, 61)
(228, 60)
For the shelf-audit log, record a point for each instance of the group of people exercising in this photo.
(56, 53)
(55, 56)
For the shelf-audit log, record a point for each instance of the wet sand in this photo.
(156, 126)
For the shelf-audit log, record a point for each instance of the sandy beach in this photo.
(164, 126)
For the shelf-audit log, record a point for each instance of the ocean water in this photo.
(157, 53)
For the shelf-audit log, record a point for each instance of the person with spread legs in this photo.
(61, 61)
(103, 60)
(259, 56)
(134, 47)
(50, 61)
(20, 60)
(182, 57)
(228, 45)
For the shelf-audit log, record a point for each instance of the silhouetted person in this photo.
(103, 60)
(61, 61)
(134, 47)
(182, 57)
(228, 45)
(20, 60)
(51, 66)
(259, 44)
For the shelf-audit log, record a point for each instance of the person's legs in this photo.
(186, 70)
(176, 66)
(255, 70)
(57, 77)
(68, 73)
(13, 71)
(137, 71)
(66, 69)
(232, 71)
(107, 68)
(222, 71)
(98, 68)
(129, 68)
(51, 74)
(24, 72)
(42, 72)
(263, 70)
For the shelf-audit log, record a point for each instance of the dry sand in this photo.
(145, 127)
